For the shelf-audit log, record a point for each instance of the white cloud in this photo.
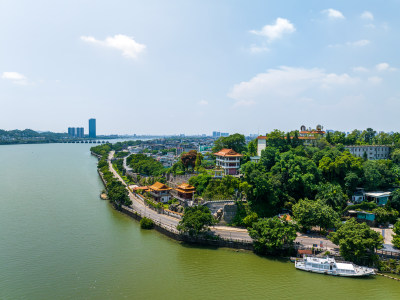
(375, 80)
(360, 69)
(360, 43)
(276, 30)
(367, 15)
(287, 83)
(203, 102)
(127, 45)
(384, 67)
(333, 13)
(13, 76)
(254, 49)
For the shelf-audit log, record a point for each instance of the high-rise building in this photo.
(80, 133)
(71, 131)
(216, 134)
(92, 128)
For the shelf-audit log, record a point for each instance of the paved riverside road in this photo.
(226, 232)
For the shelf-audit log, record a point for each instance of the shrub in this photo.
(146, 223)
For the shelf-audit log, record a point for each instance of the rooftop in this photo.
(378, 194)
(228, 153)
(158, 186)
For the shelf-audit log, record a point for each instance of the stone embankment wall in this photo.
(228, 206)
(174, 234)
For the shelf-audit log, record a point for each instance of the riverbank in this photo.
(166, 224)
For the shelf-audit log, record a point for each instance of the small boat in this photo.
(328, 265)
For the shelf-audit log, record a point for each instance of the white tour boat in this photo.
(328, 265)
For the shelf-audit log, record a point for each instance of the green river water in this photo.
(58, 240)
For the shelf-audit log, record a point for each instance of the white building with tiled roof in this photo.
(228, 160)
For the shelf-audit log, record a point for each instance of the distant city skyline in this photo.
(172, 67)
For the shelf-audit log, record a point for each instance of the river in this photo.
(58, 240)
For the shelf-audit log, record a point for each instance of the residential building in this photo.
(80, 133)
(229, 161)
(261, 144)
(71, 131)
(92, 128)
(380, 198)
(216, 134)
(160, 192)
(371, 152)
(362, 216)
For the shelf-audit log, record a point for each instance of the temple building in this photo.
(185, 191)
(229, 161)
(160, 192)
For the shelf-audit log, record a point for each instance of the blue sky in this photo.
(166, 67)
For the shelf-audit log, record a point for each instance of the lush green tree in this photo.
(368, 136)
(378, 174)
(386, 215)
(357, 241)
(395, 201)
(329, 137)
(336, 169)
(272, 234)
(178, 168)
(259, 189)
(395, 156)
(396, 236)
(250, 219)
(146, 223)
(145, 165)
(332, 195)
(118, 193)
(195, 220)
(353, 137)
(200, 182)
(252, 147)
(309, 213)
(199, 159)
(225, 188)
(269, 156)
(277, 140)
(338, 138)
(351, 182)
(296, 141)
(297, 174)
(236, 141)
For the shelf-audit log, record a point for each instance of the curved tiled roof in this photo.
(158, 186)
(228, 153)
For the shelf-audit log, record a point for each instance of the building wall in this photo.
(92, 128)
(373, 152)
(261, 145)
